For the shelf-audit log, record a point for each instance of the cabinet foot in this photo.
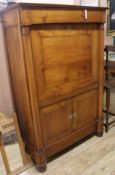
(41, 168)
(99, 133)
(40, 160)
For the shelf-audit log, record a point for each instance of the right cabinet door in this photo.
(85, 109)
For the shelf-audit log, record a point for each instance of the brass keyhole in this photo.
(69, 27)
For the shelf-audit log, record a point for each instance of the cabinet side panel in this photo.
(101, 78)
(19, 83)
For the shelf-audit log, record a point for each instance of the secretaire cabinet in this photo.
(55, 58)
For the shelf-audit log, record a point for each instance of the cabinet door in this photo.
(56, 121)
(85, 109)
(65, 58)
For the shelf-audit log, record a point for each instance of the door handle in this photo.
(75, 115)
(70, 116)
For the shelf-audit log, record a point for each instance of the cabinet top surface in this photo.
(47, 6)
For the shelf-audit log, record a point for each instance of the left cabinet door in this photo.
(56, 121)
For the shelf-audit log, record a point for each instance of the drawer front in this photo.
(65, 58)
(56, 121)
(34, 16)
(85, 109)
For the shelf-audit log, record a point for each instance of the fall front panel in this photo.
(65, 58)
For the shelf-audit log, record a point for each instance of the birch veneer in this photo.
(55, 56)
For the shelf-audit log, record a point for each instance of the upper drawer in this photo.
(41, 16)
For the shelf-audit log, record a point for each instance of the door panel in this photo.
(56, 121)
(65, 60)
(85, 109)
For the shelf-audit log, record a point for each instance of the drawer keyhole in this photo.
(69, 27)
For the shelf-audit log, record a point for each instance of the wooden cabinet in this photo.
(55, 58)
